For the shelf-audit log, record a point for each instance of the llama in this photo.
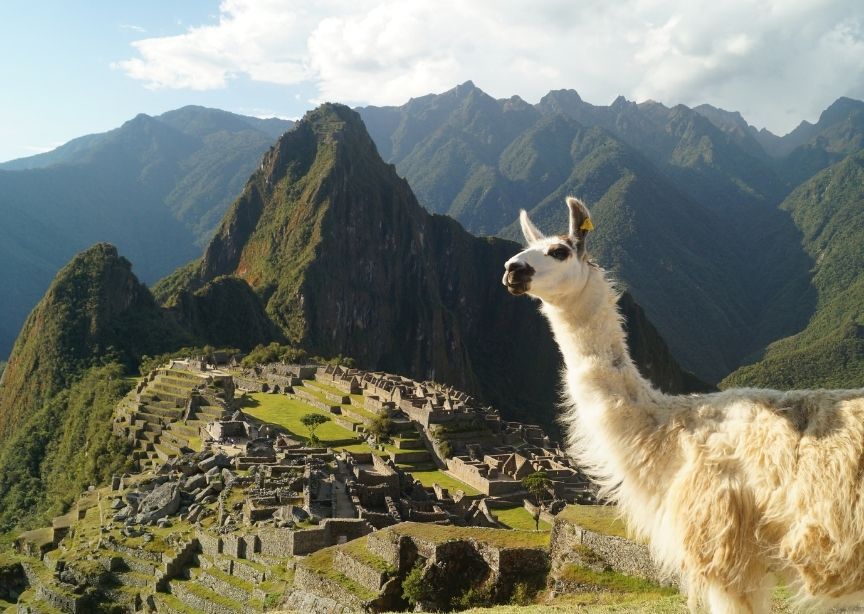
(733, 489)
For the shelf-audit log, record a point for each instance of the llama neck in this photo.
(600, 373)
(614, 414)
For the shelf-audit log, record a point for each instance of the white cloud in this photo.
(126, 26)
(775, 61)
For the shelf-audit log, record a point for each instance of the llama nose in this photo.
(515, 266)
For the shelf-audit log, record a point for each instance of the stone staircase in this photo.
(165, 413)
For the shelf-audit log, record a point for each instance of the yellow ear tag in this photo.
(587, 225)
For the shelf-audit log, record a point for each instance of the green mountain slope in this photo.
(64, 376)
(156, 187)
(347, 262)
(686, 205)
(829, 351)
(838, 133)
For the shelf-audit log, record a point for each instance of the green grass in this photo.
(598, 518)
(499, 538)
(611, 581)
(428, 474)
(596, 603)
(286, 413)
(517, 517)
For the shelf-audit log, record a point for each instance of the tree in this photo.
(380, 427)
(537, 484)
(312, 422)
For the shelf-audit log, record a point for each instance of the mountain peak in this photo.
(840, 109)
(95, 307)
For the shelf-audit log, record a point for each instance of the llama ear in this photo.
(580, 219)
(528, 228)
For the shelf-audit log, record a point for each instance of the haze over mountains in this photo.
(156, 187)
(687, 201)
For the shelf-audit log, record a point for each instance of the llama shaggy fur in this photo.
(734, 489)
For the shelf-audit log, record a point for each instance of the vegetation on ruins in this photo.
(312, 422)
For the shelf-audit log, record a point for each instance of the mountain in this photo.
(829, 351)
(64, 376)
(345, 261)
(838, 133)
(156, 187)
(671, 189)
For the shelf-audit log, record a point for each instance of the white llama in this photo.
(733, 489)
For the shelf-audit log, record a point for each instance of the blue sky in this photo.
(58, 81)
(70, 69)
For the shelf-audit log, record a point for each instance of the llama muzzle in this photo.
(517, 277)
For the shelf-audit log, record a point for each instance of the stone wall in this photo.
(285, 542)
(276, 542)
(569, 542)
(359, 571)
(472, 476)
(306, 580)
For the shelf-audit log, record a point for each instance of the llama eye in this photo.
(559, 253)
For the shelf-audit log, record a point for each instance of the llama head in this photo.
(551, 267)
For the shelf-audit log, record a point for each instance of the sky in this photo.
(74, 68)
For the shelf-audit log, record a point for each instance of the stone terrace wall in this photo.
(621, 554)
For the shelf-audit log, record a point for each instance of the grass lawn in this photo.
(517, 517)
(428, 474)
(598, 518)
(281, 411)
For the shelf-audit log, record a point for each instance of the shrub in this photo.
(479, 596)
(380, 427)
(445, 449)
(414, 587)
